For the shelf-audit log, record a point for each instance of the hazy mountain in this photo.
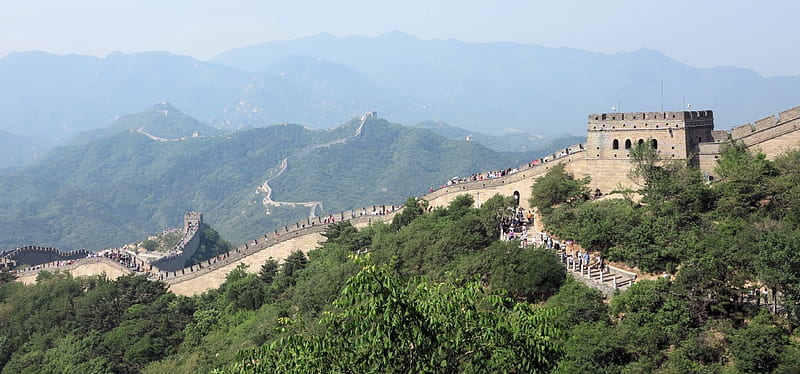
(121, 186)
(324, 80)
(161, 122)
(486, 86)
(49, 98)
(300, 89)
(16, 150)
(505, 140)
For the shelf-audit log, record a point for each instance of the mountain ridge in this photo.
(120, 187)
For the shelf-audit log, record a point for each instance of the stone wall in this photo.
(771, 135)
(276, 245)
(178, 257)
(80, 267)
(34, 255)
(519, 181)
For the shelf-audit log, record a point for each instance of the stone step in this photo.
(609, 277)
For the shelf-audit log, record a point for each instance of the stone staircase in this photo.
(607, 281)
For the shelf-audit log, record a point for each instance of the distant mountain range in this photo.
(322, 81)
(506, 139)
(119, 184)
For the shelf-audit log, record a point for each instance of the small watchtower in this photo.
(675, 134)
(192, 218)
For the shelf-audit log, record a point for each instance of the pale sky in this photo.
(759, 35)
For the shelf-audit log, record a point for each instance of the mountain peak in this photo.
(166, 107)
(397, 35)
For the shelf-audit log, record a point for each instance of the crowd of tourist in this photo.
(123, 258)
(191, 230)
(502, 173)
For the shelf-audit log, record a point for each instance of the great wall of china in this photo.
(679, 135)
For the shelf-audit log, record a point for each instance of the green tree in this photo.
(411, 210)
(268, 271)
(557, 187)
(759, 347)
(149, 244)
(593, 347)
(577, 303)
(778, 266)
(528, 274)
(744, 177)
(382, 324)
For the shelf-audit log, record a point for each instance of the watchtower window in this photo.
(641, 141)
(615, 144)
(654, 143)
(700, 139)
(627, 143)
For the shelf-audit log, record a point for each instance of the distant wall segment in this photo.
(189, 244)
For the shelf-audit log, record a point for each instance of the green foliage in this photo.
(557, 187)
(528, 274)
(778, 266)
(149, 244)
(577, 303)
(593, 348)
(411, 210)
(596, 226)
(745, 178)
(93, 324)
(383, 325)
(758, 347)
(268, 271)
(120, 187)
(211, 245)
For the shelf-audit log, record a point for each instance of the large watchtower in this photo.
(675, 134)
(194, 218)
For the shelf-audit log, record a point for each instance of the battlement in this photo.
(652, 120)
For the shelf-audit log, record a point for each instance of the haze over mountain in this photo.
(118, 187)
(509, 140)
(321, 81)
(484, 86)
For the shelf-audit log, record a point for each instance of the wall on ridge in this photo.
(213, 279)
(192, 281)
(34, 255)
(82, 267)
(176, 262)
(607, 175)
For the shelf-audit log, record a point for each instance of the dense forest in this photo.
(437, 292)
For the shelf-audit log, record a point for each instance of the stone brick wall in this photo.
(771, 135)
(34, 255)
(81, 267)
(676, 134)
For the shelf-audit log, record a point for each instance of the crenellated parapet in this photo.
(178, 255)
(32, 255)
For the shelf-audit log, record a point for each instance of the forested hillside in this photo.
(437, 292)
(116, 187)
